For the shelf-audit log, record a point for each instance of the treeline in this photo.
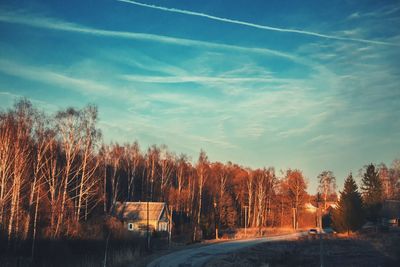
(56, 176)
(57, 180)
(355, 208)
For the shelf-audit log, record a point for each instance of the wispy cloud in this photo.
(258, 26)
(381, 13)
(50, 77)
(321, 139)
(8, 98)
(54, 24)
(313, 122)
(201, 79)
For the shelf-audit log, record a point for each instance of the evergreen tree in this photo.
(349, 214)
(372, 193)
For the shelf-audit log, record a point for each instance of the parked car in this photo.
(328, 231)
(313, 231)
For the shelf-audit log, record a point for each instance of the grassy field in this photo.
(381, 249)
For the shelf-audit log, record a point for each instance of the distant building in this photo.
(329, 205)
(391, 212)
(136, 215)
(310, 208)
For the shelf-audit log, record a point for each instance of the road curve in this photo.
(198, 256)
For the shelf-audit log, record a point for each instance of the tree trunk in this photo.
(64, 199)
(35, 224)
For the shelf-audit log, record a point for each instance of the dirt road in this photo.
(196, 257)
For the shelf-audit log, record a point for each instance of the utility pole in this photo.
(294, 218)
(216, 219)
(245, 221)
(148, 225)
(170, 226)
(321, 248)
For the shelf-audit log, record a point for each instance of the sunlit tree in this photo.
(349, 214)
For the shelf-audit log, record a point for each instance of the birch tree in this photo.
(69, 128)
(39, 161)
(182, 167)
(52, 172)
(250, 188)
(167, 168)
(202, 176)
(115, 156)
(89, 163)
(326, 185)
(295, 187)
(6, 164)
(152, 159)
(133, 158)
(23, 155)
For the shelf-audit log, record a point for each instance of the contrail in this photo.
(258, 26)
(52, 24)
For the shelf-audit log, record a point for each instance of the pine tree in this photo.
(349, 214)
(372, 193)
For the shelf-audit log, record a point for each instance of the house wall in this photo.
(137, 225)
(142, 225)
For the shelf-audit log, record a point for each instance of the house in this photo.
(330, 205)
(310, 208)
(391, 212)
(137, 215)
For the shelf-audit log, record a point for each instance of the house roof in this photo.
(137, 211)
(310, 207)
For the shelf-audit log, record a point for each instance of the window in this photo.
(163, 226)
(130, 226)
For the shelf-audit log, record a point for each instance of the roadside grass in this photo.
(381, 249)
(79, 253)
(257, 232)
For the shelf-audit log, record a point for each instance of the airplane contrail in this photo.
(258, 26)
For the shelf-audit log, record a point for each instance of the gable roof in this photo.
(310, 207)
(137, 211)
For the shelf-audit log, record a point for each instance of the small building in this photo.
(330, 205)
(391, 212)
(136, 216)
(310, 207)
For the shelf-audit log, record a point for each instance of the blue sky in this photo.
(312, 85)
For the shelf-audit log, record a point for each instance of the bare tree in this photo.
(181, 165)
(69, 128)
(152, 159)
(250, 188)
(115, 156)
(327, 185)
(295, 187)
(265, 180)
(167, 164)
(52, 171)
(39, 162)
(102, 158)
(89, 164)
(202, 176)
(133, 159)
(221, 174)
(7, 126)
(23, 155)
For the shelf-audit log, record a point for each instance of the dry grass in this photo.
(255, 232)
(377, 250)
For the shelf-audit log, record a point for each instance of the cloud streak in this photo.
(202, 79)
(53, 24)
(51, 77)
(258, 26)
